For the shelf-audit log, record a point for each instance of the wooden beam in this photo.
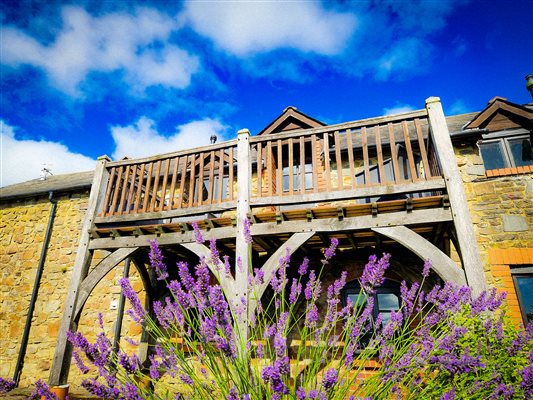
(96, 275)
(227, 283)
(466, 237)
(353, 223)
(162, 239)
(211, 208)
(361, 192)
(271, 266)
(242, 247)
(441, 263)
(61, 361)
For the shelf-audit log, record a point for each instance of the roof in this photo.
(501, 114)
(54, 183)
(290, 119)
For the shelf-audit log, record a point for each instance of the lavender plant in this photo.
(444, 343)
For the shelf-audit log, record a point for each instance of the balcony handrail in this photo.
(179, 153)
(368, 122)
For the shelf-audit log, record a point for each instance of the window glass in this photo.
(524, 289)
(521, 152)
(492, 154)
(387, 302)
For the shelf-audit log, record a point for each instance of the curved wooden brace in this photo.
(96, 275)
(227, 283)
(441, 263)
(270, 267)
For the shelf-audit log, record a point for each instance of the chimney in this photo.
(529, 84)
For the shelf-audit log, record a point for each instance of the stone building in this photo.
(380, 184)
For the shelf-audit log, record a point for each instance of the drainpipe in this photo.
(38, 275)
(120, 312)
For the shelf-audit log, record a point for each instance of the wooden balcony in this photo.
(361, 162)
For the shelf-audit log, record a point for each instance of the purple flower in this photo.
(427, 268)
(330, 251)
(311, 315)
(100, 390)
(156, 260)
(300, 393)
(198, 237)
(246, 230)
(137, 312)
(7, 385)
(373, 274)
(302, 270)
(130, 364)
(330, 378)
(450, 395)
(296, 289)
(129, 391)
(186, 379)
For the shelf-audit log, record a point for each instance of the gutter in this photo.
(35, 292)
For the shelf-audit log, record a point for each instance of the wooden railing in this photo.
(181, 180)
(369, 153)
(362, 159)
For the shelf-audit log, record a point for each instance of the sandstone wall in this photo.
(501, 209)
(22, 229)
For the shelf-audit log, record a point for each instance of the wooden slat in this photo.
(156, 186)
(279, 170)
(315, 163)
(422, 147)
(291, 168)
(201, 179)
(365, 156)
(192, 180)
(110, 185)
(220, 174)
(327, 166)
(382, 177)
(349, 148)
(123, 189)
(210, 188)
(409, 150)
(117, 190)
(148, 185)
(172, 192)
(302, 165)
(230, 179)
(338, 160)
(139, 189)
(269, 169)
(394, 153)
(183, 180)
(131, 190)
(164, 188)
(259, 164)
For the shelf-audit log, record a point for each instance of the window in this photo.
(308, 176)
(523, 282)
(386, 300)
(506, 152)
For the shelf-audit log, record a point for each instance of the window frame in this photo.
(521, 271)
(503, 141)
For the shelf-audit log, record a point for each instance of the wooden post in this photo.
(63, 350)
(242, 250)
(472, 265)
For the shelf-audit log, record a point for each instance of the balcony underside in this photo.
(352, 224)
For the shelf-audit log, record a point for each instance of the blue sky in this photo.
(82, 79)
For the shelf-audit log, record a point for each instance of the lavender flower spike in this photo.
(373, 274)
(6, 385)
(137, 312)
(247, 233)
(197, 233)
(156, 261)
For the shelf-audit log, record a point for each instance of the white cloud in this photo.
(142, 138)
(245, 28)
(136, 44)
(22, 160)
(403, 57)
(458, 107)
(398, 109)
